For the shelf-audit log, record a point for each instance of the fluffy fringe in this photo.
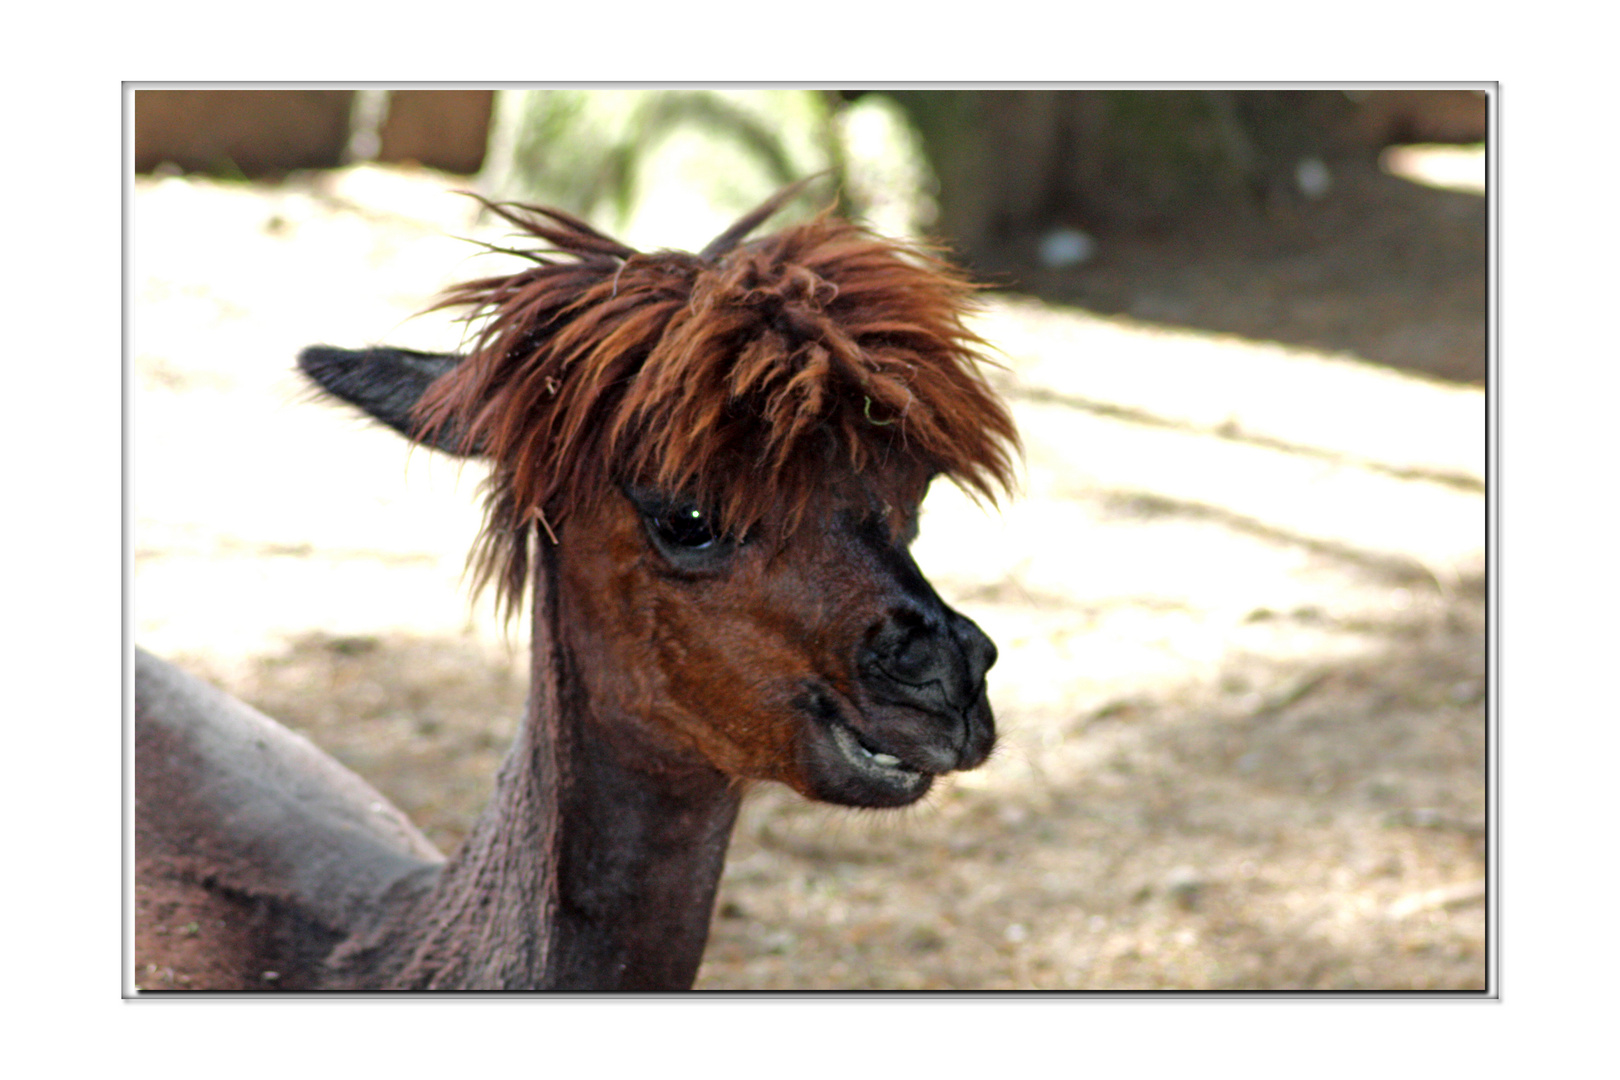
(740, 378)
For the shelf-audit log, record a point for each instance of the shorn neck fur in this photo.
(594, 866)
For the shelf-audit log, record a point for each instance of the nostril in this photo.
(915, 660)
(931, 664)
(903, 646)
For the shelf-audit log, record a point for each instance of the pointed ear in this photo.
(386, 383)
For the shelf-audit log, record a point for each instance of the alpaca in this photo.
(706, 473)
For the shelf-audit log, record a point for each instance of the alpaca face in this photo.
(821, 659)
(817, 656)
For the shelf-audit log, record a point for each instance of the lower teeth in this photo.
(852, 748)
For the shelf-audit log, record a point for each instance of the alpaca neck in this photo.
(594, 866)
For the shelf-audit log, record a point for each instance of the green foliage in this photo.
(617, 156)
(591, 151)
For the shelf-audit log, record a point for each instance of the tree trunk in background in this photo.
(268, 133)
(241, 132)
(441, 129)
(1013, 165)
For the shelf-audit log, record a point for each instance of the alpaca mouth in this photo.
(846, 765)
(868, 760)
(856, 774)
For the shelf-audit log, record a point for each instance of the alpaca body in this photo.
(255, 852)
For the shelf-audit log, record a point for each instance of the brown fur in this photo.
(738, 378)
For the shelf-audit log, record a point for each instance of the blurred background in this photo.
(1240, 600)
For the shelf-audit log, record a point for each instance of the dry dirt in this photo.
(1240, 604)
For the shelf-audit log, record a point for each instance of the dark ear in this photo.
(386, 383)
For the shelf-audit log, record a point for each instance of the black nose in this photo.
(935, 662)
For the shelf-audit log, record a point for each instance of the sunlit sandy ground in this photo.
(1460, 168)
(1238, 602)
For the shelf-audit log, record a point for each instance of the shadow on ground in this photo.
(1384, 269)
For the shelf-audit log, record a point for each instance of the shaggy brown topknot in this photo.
(739, 378)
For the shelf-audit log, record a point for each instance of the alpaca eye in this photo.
(678, 529)
(684, 527)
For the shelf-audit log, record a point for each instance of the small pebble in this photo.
(1185, 886)
(1314, 178)
(1066, 247)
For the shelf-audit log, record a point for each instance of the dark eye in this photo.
(679, 530)
(683, 527)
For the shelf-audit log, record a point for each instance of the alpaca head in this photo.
(719, 459)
